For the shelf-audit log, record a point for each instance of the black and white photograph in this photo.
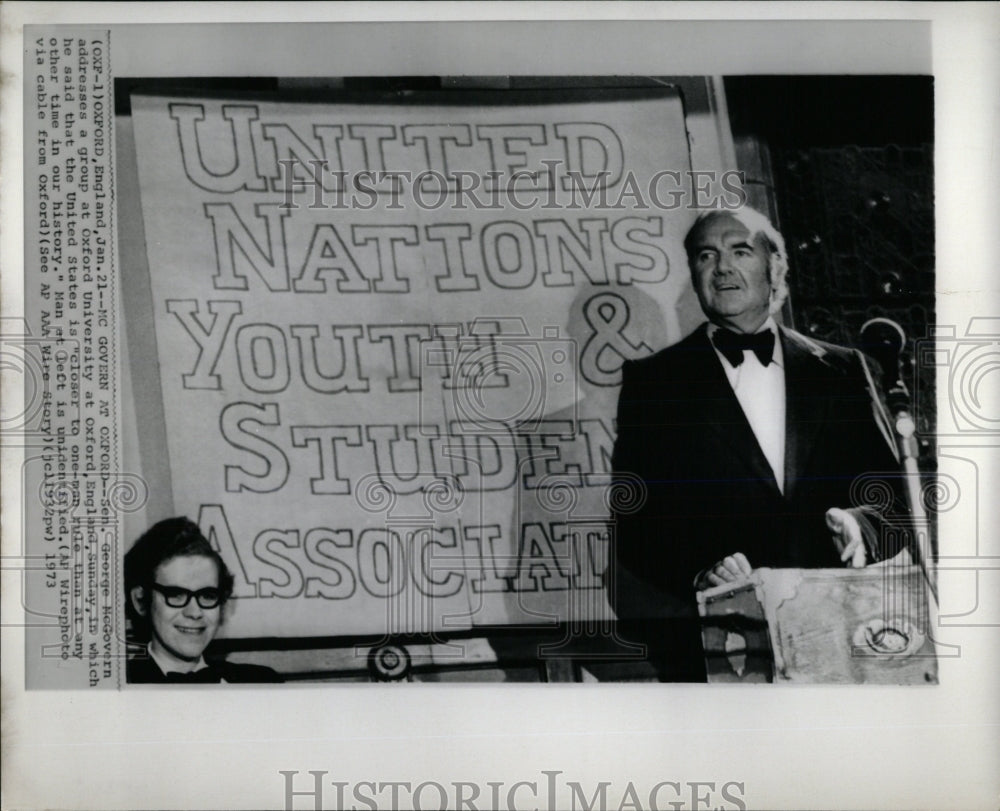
(644, 396)
(408, 379)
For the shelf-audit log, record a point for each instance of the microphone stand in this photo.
(884, 339)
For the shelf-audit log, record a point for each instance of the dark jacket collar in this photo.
(806, 411)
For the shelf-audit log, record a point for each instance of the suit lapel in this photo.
(722, 414)
(806, 406)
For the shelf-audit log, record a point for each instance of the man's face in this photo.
(729, 270)
(184, 633)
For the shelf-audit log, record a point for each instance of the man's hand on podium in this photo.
(848, 537)
(728, 570)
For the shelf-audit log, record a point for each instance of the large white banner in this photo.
(389, 338)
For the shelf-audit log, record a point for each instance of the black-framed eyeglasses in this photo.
(177, 597)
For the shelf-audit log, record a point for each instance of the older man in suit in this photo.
(748, 439)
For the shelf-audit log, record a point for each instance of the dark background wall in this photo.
(845, 165)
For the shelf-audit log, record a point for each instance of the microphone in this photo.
(884, 341)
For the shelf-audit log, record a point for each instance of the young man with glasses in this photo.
(178, 587)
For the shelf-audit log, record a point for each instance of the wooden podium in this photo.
(821, 626)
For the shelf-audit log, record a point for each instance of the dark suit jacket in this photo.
(144, 670)
(709, 489)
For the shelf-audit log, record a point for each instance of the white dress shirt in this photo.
(760, 391)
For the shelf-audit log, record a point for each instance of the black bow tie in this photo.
(732, 345)
(207, 675)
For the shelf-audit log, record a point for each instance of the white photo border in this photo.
(793, 747)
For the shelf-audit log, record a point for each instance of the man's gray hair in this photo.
(758, 225)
